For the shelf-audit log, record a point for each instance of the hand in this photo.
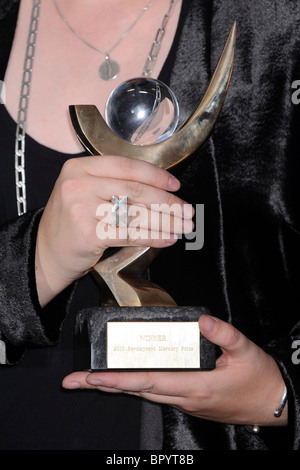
(77, 224)
(245, 388)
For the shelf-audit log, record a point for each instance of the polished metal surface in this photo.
(121, 281)
(120, 275)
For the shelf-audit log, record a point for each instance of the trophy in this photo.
(138, 326)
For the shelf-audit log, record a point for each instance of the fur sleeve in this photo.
(22, 321)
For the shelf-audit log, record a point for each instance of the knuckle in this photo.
(134, 189)
(69, 187)
(148, 385)
(162, 176)
(190, 408)
(73, 185)
(71, 166)
(136, 215)
(232, 336)
(77, 212)
(201, 393)
(196, 399)
(126, 166)
(133, 237)
(173, 204)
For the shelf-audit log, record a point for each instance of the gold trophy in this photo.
(138, 325)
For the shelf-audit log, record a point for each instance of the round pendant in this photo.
(109, 70)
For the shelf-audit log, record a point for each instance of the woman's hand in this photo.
(78, 225)
(245, 388)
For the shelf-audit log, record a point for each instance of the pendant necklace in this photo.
(20, 176)
(109, 69)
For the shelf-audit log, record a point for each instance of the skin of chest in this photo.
(65, 69)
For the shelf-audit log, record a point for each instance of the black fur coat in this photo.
(247, 176)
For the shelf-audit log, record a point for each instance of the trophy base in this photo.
(142, 338)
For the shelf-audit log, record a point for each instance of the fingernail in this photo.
(171, 240)
(187, 211)
(73, 385)
(173, 183)
(187, 225)
(208, 324)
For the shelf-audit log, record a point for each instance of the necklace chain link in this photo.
(26, 82)
(23, 108)
(151, 59)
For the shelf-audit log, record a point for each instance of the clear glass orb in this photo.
(142, 111)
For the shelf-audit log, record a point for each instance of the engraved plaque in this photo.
(142, 338)
(152, 345)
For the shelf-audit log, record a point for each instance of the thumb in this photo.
(224, 335)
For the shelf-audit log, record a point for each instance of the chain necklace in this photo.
(151, 59)
(25, 92)
(109, 69)
(23, 108)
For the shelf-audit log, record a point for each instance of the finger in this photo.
(146, 384)
(87, 380)
(77, 380)
(142, 218)
(224, 335)
(167, 222)
(138, 194)
(111, 166)
(156, 199)
(132, 234)
(139, 217)
(113, 236)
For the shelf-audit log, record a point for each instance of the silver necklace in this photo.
(109, 69)
(152, 56)
(25, 92)
(23, 108)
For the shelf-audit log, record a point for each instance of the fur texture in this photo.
(22, 320)
(247, 177)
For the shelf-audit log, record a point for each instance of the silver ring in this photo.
(119, 211)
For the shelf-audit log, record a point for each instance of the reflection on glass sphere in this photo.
(142, 111)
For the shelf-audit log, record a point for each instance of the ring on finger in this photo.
(119, 211)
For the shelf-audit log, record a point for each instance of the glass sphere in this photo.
(142, 111)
